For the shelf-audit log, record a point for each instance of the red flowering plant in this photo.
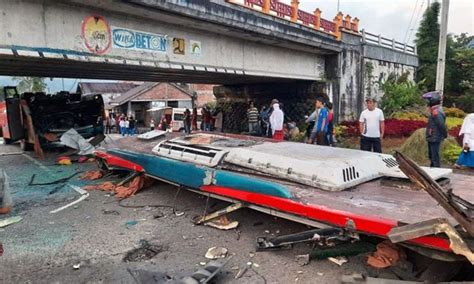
(393, 127)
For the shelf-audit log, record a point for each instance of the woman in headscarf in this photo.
(276, 122)
(466, 158)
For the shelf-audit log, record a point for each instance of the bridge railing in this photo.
(294, 14)
(387, 42)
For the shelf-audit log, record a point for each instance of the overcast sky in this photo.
(391, 18)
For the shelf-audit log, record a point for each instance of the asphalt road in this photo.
(44, 247)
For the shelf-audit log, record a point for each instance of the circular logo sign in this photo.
(96, 34)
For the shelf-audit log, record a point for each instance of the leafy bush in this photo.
(299, 138)
(408, 115)
(451, 152)
(399, 95)
(454, 112)
(452, 122)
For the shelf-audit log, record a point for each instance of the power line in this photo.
(411, 19)
(416, 20)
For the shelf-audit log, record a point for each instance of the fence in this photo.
(386, 42)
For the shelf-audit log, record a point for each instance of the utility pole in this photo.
(338, 7)
(442, 46)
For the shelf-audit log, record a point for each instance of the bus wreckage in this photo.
(342, 193)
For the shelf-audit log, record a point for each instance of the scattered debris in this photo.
(58, 181)
(178, 214)
(10, 221)
(76, 266)
(131, 223)
(267, 232)
(256, 265)
(64, 161)
(223, 223)
(122, 191)
(299, 272)
(92, 175)
(106, 186)
(145, 251)
(343, 249)
(73, 139)
(145, 276)
(151, 134)
(56, 189)
(159, 215)
(205, 274)
(320, 273)
(340, 260)
(216, 252)
(110, 212)
(387, 254)
(302, 259)
(5, 198)
(83, 159)
(242, 271)
(11, 153)
(84, 194)
(202, 263)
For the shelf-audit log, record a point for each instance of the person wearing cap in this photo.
(436, 130)
(372, 127)
(320, 118)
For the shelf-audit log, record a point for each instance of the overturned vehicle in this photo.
(343, 193)
(39, 118)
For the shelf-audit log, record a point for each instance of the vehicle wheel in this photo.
(7, 141)
(25, 146)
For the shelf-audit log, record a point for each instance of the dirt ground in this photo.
(97, 233)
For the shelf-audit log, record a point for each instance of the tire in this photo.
(7, 141)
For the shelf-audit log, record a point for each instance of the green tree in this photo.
(30, 84)
(427, 38)
(464, 65)
(400, 93)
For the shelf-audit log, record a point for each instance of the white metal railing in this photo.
(386, 42)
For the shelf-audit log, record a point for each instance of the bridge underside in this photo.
(61, 68)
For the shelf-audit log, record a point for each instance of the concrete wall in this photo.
(52, 25)
(380, 71)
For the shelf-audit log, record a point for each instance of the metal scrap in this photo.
(419, 177)
(61, 180)
(432, 227)
(10, 221)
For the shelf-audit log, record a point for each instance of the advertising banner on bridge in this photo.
(137, 40)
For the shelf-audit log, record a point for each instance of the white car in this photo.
(174, 117)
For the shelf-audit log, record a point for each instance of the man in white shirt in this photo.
(372, 127)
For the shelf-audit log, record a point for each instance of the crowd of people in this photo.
(120, 124)
(270, 122)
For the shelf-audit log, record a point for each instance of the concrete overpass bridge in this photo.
(251, 47)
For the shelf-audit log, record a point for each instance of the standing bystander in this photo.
(252, 117)
(276, 122)
(187, 121)
(320, 118)
(372, 127)
(436, 130)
